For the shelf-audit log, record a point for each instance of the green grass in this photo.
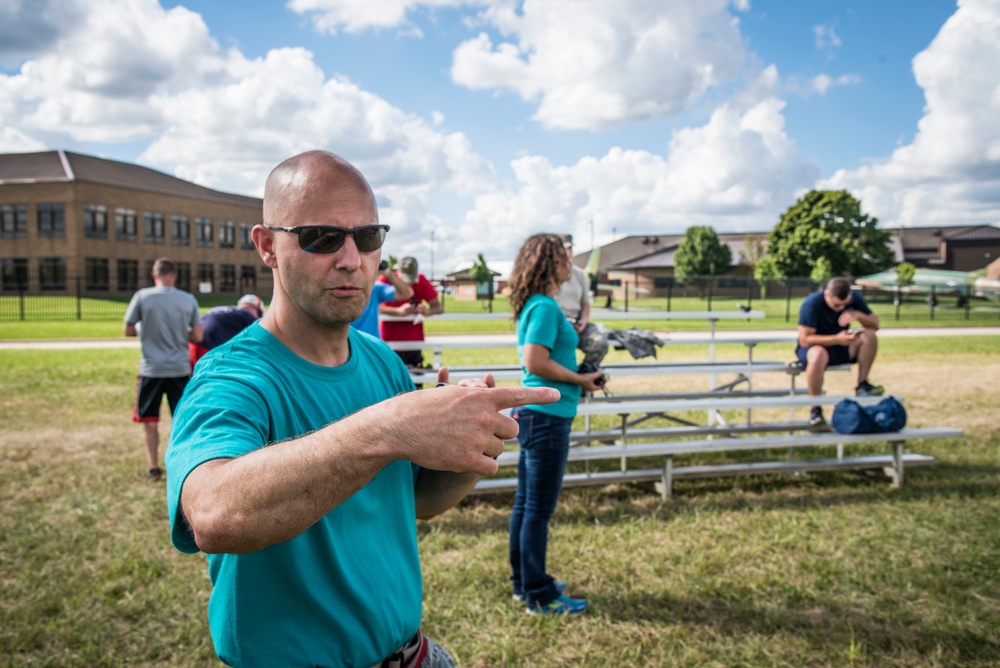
(834, 569)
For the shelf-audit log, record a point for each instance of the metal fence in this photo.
(35, 298)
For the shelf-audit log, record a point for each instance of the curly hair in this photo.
(540, 268)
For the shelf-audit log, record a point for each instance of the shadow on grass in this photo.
(725, 495)
(822, 627)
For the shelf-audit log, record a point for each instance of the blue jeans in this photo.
(544, 443)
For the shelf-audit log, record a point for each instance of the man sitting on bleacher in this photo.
(824, 340)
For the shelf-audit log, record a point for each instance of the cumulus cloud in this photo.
(739, 171)
(824, 82)
(592, 64)
(133, 71)
(333, 16)
(950, 173)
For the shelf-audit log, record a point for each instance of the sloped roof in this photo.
(978, 233)
(666, 247)
(65, 166)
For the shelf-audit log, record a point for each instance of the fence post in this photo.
(898, 301)
(788, 300)
(711, 282)
(968, 301)
(21, 301)
(670, 290)
(749, 293)
(932, 300)
(79, 304)
(625, 286)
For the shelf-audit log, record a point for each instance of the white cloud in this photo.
(826, 38)
(593, 64)
(950, 173)
(332, 16)
(824, 82)
(132, 71)
(737, 172)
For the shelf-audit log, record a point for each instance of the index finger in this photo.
(443, 374)
(509, 397)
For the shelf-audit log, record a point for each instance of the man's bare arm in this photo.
(403, 289)
(275, 493)
(809, 337)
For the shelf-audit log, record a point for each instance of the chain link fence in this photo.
(48, 298)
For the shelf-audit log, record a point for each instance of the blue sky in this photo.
(484, 121)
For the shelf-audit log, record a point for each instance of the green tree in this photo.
(905, 271)
(765, 271)
(483, 277)
(479, 272)
(701, 253)
(821, 272)
(829, 224)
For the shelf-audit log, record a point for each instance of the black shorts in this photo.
(149, 395)
(838, 355)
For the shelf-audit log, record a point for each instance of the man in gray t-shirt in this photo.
(165, 319)
(574, 300)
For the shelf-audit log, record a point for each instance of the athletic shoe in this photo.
(866, 389)
(519, 595)
(817, 423)
(564, 605)
(154, 474)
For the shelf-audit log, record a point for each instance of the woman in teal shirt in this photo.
(546, 344)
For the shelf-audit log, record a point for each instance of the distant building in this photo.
(646, 262)
(77, 224)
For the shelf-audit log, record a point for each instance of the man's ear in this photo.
(264, 242)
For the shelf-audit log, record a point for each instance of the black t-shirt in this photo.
(223, 323)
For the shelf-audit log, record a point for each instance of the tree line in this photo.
(823, 234)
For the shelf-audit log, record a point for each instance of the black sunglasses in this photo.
(329, 239)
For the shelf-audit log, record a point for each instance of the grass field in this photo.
(826, 570)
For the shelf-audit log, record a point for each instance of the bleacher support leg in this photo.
(897, 464)
(666, 485)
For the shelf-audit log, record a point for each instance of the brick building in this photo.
(77, 224)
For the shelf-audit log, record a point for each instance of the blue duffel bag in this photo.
(850, 417)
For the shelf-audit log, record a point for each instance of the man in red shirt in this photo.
(423, 303)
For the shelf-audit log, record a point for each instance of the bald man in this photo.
(301, 457)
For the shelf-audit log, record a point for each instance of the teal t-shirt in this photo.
(542, 322)
(347, 591)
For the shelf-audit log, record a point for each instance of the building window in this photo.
(149, 274)
(227, 277)
(14, 273)
(13, 221)
(96, 274)
(52, 273)
(51, 219)
(248, 278)
(184, 276)
(206, 277)
(203, 232)
(95, 221)
(154, 227)
(246, 241)
(227, 234)
(128, 275)
(180, 230)
(126, 225)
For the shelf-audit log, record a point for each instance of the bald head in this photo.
(304, 177)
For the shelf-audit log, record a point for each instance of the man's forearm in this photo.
(275, 493)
